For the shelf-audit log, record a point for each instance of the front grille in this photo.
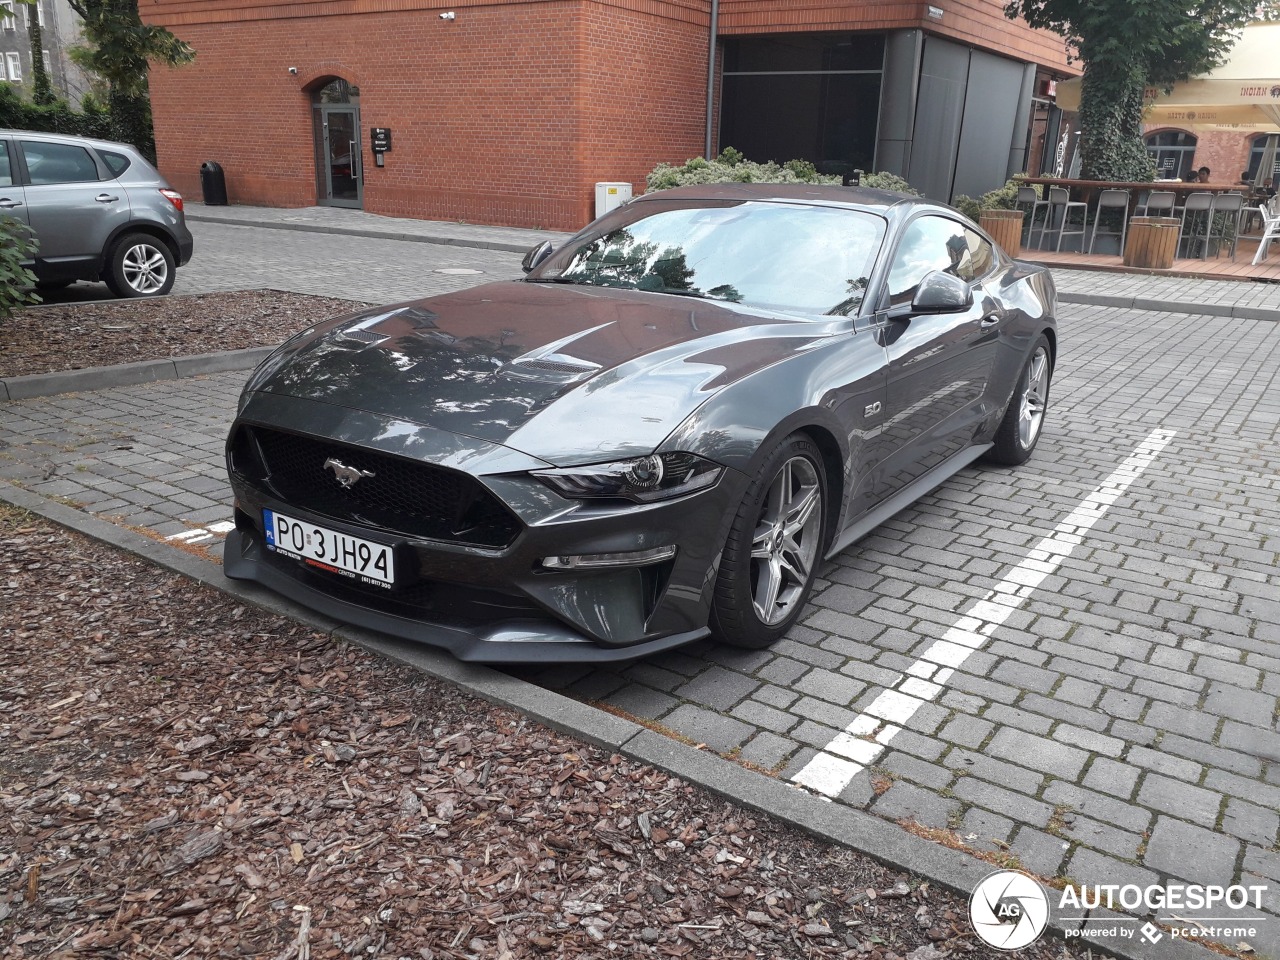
(418, 499)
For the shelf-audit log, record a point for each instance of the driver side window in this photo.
(929, 243)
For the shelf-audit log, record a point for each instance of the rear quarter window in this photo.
(117, 163)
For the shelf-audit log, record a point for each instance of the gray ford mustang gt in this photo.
(658, 434)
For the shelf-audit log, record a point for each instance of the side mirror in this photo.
(536, 255)
(941, 293)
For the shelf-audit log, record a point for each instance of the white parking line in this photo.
(199, 535)
(864, 740)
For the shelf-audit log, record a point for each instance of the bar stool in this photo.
(1029, 197)
(1198, 211)
(1111, 199)
(1156, 203)
(1224, 222)
(1060, 199)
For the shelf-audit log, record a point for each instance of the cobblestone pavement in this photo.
(1115, 721)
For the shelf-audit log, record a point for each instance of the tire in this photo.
(766, 573)
(140, 266)
(1023, 420)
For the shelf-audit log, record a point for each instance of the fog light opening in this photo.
(588, 561)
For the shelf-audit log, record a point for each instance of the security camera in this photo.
(448, 15)
(293, 71)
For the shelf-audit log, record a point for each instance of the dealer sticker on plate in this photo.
(330, 550)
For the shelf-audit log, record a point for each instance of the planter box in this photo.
(1005, 227)
(1152, 242)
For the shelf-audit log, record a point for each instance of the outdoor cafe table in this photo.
(1087, 188)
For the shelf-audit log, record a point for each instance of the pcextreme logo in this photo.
(1009, 910)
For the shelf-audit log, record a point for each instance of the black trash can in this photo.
(213, 184)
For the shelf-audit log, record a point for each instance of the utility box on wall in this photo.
(611, 195)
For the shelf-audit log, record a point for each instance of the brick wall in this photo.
(508, 114)
(1224, 152)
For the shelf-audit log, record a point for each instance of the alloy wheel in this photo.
(784, 547)
(1034, 399)
(145, 268)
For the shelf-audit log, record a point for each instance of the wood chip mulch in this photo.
(73, 336)
(183, 776)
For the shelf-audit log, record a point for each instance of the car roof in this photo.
(878, 201)
(67, 138)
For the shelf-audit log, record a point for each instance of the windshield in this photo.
(788, 257)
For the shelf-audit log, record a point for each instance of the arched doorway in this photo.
(335, 107)
(1173, 152)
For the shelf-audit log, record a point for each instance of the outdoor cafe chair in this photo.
(1117, 201)
(1029, 196)
(1060, 200)
(1156, 203)
(1224, 222)
(1270, 227)
(1197, 219)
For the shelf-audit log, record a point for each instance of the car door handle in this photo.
(7, 204)
(106, 198)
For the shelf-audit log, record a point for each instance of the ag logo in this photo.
(1008, 910)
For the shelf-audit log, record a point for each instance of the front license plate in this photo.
(330, 550)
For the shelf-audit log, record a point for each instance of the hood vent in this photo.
(551, 367)
(366, 337)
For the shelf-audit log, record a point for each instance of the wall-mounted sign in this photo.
(380, 139)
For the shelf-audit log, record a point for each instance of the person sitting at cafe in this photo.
(1202, 175)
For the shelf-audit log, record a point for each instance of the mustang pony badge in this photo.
(347, 476)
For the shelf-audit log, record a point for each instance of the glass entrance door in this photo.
(340, 156)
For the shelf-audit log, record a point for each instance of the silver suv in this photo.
(99, 210)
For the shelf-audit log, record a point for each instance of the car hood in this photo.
(569, 374)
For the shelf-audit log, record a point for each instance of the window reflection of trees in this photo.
(785, 258)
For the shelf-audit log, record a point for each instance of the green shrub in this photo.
(56, 117)
(732, 167)
(16, 281)
(889, 181)
(967, 205)
(1003, 198)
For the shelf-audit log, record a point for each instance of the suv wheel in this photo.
(140, 266)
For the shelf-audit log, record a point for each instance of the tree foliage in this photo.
(41, 88)
(119, 47)
(1125, 46)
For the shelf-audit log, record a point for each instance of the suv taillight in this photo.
(173, 196)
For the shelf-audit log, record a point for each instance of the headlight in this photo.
(659, 476)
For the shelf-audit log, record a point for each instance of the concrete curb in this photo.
(478, 244)
(129, 374)
(869, 835)
(1172, 306)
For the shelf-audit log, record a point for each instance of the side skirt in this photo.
(907, 496)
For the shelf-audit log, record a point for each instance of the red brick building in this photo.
(510, 112)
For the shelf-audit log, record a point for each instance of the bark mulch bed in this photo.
(72, 336)
(186, 777)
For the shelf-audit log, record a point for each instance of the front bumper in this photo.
(501, 604)
(520, 640)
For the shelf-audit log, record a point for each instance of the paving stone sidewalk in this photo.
(1121, 725)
